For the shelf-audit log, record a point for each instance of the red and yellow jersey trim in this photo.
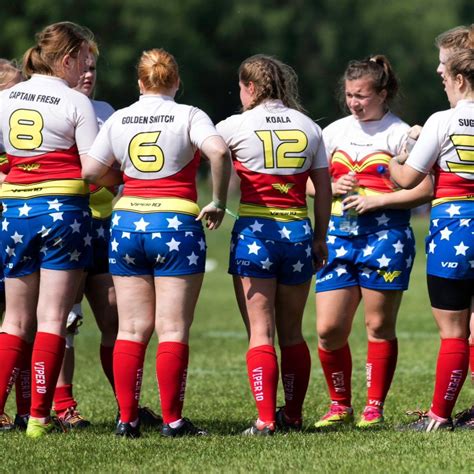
(443, 200)
(146, 205)
(100, 202)
(59, 187)
(286, 214)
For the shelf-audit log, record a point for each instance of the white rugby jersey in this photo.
(273, 150)
(446, 144)
(155, 140)
(365, 148)
(103, 110)
(45, 125)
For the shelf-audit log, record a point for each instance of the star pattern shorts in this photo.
(380, 261)
(290, 263)
(450, 248)
(57, 241)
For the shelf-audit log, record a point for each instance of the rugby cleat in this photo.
(6, 423)
(426, 423)
(260, 428)
(21, 421)
(71, 419)
(186, 428)
(284, 423)
(35, 429)
(338, 415)
(372, 417)
(465, 420)
(127, 430)
(149, 418)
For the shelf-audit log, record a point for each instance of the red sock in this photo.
(63, 399)
(337, 368)
(471, 361)
(380, 367)
(107, 361)
(262, 369)
(11, 350)
(23, 382)
(171, 371)
(129, 357)
(451, 371)
(295, 373)
(46, 361)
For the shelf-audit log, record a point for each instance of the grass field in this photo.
(219, 399)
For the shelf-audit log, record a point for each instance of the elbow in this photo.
(88, 175)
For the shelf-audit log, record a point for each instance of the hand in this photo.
(212, 214)
(362, 204)
(345, 184)
(410, 142)
(320, 254)
(3, 176)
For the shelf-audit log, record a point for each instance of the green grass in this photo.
(218, 398)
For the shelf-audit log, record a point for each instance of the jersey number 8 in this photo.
(25, 129)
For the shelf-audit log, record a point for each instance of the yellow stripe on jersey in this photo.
(443, 200)
(279, 214)
(60, 187)
(136, 204)
(100, 202)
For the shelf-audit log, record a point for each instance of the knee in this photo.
(378, 329)
(332, 337)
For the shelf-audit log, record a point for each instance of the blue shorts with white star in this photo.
(450, 247)
(154, 244)
(45, 233)
(381, 261)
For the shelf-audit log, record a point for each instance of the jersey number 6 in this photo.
(145, 154)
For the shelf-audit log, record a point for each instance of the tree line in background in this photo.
(210, 38)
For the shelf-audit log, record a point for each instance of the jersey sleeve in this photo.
(226, 129)
(428, 146)
(86, 128)
(321, 157)
(201, 127)
(102, 149)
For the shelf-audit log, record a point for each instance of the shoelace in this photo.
(5, 420)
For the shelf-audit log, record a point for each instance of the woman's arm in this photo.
(322, 212)
(404, 199)
(97, 173)
(218, 154)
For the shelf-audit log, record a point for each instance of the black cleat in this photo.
(186, 428)
(284, 423)
(71, 419)
(465, 420)
(149, 418)
(127, 430)
(6, 423)
(426, 424)
(21, 422)
(259, 428)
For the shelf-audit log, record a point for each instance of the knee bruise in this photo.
(449, 294)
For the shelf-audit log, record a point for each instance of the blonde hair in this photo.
(272, 79)
(157, 70)
(460, 37)
(8, 72)
(462, 62)
(53, 43)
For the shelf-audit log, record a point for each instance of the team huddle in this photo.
(103, 204)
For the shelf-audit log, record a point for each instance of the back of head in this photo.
(158, 70)
(53, 44)
(378, 69)
(272, 79)
(460, 37)
(9, 74)
(462, 62)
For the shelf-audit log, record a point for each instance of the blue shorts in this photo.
(100, 247)
(54, 241)
(290, 263)
(450, 248)
(381, 261)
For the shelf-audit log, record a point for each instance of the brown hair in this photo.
(272, 78)
(158, 69)
(378, 69)
(460, 37)
(8, 71)
(462, 62)
(52, 44)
